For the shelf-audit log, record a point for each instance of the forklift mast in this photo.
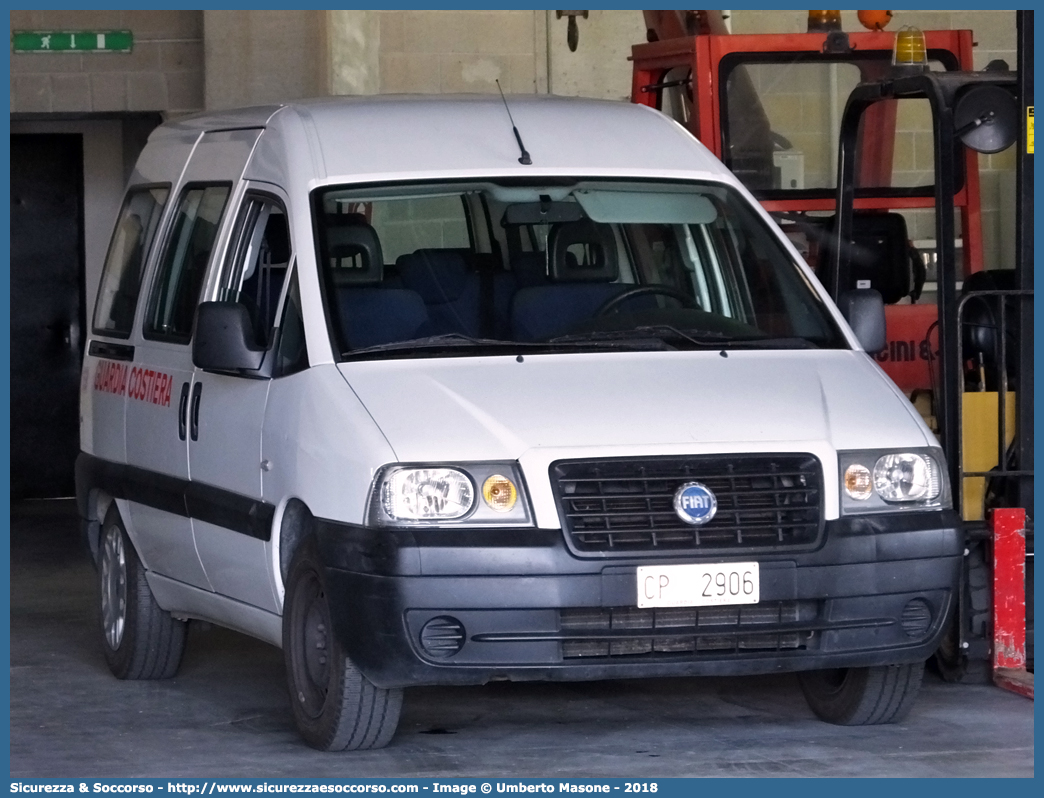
(984, 388)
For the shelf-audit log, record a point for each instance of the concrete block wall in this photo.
(599, 68)
(259, 57)
(164, 72)
(266, 56)
(448, 52)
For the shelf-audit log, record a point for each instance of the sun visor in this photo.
(646, 207)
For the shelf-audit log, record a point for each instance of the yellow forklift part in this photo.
(981, 427)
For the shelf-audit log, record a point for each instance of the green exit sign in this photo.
(79, 41)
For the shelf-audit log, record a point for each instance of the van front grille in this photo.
(626, 506)
(629, 631)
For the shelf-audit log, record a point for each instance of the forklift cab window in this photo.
(781, 120)
(676, 99)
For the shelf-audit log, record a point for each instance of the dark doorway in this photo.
(47, 312)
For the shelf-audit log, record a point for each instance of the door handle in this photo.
(197, 389)
(182, 411)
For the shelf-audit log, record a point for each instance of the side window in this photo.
(291, 353)
(655, 248)
(183, 266)
(258, 260)
(407, 225)
(121, 277)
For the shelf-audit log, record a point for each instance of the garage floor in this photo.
(226, 713)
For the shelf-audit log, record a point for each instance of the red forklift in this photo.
(810, 123)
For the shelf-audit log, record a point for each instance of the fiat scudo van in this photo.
(423, 402)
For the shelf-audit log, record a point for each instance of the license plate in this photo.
(698, 585)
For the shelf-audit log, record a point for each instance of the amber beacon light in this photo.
(910, 51)
(824, 21)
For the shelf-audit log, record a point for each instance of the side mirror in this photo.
(986, 118)
(224, 338)
(863, 309)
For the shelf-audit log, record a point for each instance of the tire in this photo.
(140, 640)
(335, 707)
(977, 586)
(862, 696)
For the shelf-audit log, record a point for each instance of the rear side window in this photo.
(121, 278)
(183, 266)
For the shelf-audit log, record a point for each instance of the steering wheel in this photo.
(646, 290)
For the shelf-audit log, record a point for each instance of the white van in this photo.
(423, 401)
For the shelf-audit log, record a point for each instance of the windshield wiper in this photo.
(677, 338)
(720, 340)
(665, 333)
(483, 345)
(445, 341)
(770, 342)
(656, 337)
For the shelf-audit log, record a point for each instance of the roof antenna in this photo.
(525, 159)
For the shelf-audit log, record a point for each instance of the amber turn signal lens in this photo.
(858, 482)
(499, 493)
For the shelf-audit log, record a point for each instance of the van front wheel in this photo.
(335, 706)
(862, 696)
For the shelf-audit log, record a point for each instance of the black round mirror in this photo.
(986, 119)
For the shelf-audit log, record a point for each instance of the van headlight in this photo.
(884, 481)
(427, 494)
(475, 494)
(907, 477)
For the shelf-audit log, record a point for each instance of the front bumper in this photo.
(879, 590)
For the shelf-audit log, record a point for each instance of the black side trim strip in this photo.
(151, 489)
(112, 351)
(212, 505)
(229, 510)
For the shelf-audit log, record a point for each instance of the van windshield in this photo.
(449, 270)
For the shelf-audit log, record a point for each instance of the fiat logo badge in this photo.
(695, 504)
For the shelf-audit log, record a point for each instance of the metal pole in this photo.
(1024, 263)
(952, 371)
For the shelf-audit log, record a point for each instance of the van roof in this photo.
(352, 138)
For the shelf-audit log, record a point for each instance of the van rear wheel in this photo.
(335, 706)
(140, 639)
(862, 696)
